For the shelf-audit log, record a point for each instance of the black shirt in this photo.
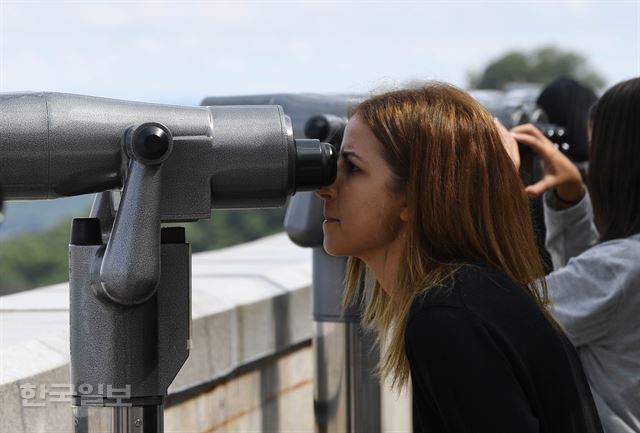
(484, 358)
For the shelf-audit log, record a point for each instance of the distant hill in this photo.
(37, 216)
(35, 259)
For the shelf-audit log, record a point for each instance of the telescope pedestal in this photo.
(124, 357)
(143, 419)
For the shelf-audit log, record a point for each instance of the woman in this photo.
(596, 294)
(424, 201)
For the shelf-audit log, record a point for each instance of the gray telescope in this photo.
(55, 145)
(129, 278)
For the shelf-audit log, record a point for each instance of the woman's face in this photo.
(362, 216)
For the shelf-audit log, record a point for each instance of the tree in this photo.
(541, 65)
(35, 260)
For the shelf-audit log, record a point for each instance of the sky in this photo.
(180, 52)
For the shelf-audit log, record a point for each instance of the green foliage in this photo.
(35, 260)
(31, 261)
(541, 65)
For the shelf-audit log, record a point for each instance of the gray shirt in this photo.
(595, 291)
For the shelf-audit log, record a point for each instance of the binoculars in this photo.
(129, 275)
(54, 145)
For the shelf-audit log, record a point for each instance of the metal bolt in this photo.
(138, 423)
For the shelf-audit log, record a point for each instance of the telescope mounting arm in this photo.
(130, 269)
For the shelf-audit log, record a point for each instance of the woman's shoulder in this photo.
(482, 292)
(475, 298)
(470, 281)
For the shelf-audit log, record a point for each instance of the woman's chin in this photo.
(333, 250)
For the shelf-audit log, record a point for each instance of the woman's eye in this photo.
(350, 167)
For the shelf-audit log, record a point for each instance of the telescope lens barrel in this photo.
(316, 164)
(223, 157)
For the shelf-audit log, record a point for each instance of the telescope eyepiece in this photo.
(316, 164)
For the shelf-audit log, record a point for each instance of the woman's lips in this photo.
(331, 220)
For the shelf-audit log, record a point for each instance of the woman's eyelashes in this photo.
(348, 166)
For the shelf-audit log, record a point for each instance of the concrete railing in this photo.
(250, 367)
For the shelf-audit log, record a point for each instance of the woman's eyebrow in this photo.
(351, 153)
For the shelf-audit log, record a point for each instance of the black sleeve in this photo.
(457, 365)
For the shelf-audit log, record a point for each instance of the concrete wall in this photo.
(250, 367)
(274, 397)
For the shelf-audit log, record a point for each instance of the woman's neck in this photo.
(385, 264)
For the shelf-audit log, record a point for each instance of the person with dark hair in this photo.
(594, 239)
(429, 204)
(566, 102)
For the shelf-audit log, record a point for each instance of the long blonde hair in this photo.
(467, 204)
